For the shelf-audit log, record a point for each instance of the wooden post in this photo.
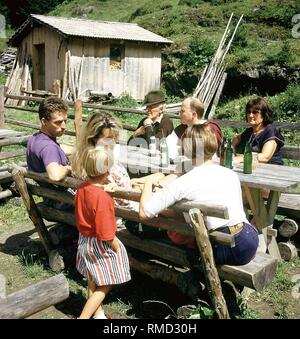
(35, 298)
(210, 270)
(57, 88)
(78, 117)
(32, 210)
(2, 110)
(2, 287)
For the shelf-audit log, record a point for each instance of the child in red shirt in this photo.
(101, 257)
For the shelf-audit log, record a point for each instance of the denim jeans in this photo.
(246, 243)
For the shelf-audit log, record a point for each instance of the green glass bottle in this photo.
(248, 159)
(228, 155)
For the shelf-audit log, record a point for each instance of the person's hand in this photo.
(147, 122)
(136, 183)
(110, 187)
(238, 159)
(139, 131)
(115, 245)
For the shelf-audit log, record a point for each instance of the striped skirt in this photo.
(97, 261)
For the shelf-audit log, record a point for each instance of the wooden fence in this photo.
(289, 152)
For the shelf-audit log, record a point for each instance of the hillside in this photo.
(264, 44)
(264, 58)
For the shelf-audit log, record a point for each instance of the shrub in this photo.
(283, 58)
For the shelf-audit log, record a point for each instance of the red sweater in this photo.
(95, 212)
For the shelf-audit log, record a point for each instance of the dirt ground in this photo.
(23, 262)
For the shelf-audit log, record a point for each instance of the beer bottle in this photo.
(164, 153)
(152, 145)
(222, 152)
(228, 155)
(248, 159)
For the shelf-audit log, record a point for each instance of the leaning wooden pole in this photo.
(210, 270)
(2, 109)
(35, 298)
(78, 117)
(32, 210)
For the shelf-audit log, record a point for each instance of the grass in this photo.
(275, 294)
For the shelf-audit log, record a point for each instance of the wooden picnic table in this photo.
(277, 179)
(274, 179)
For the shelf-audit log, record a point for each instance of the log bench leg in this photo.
(209, 267)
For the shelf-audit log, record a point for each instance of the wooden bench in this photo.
(257, 274)
(289, 204)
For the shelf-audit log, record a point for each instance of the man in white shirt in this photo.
(191, 114)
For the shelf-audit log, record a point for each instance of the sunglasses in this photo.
(255, 112)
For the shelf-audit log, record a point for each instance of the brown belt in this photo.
(232, 229)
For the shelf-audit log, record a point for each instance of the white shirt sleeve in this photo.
(165, 198)
(173, 142)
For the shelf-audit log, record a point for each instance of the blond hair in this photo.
(96, 161)
(89, 135)
(199, 140)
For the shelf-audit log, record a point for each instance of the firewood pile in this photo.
(7, 59)
(211, 83)
(20, 77)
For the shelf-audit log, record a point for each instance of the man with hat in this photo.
(156, 123)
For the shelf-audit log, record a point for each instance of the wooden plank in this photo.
(35, 298)
(289, 205)
(14, 141)
(291, 152)
(28, 125)
(12, 154)
(52, 214)
(259, 272)
(8, 133)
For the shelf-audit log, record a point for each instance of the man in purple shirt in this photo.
(44, 154)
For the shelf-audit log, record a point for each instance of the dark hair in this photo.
(261, 105)
(51, 105)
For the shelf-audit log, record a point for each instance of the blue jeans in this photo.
(246, 243)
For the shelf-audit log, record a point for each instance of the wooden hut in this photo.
(80, 56)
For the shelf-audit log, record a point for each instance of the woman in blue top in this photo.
(264, 138)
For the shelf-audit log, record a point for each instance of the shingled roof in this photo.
(88, 28)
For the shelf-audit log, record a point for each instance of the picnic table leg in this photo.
(264, 215)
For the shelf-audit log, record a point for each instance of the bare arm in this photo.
(235, 141)
(138, 183)
(68, 149)
(268, 151)
(57, 172)
(147, 192)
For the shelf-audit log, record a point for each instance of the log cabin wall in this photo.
(140, 69)
(55, 49)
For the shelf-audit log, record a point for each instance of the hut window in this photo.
(116, 56)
